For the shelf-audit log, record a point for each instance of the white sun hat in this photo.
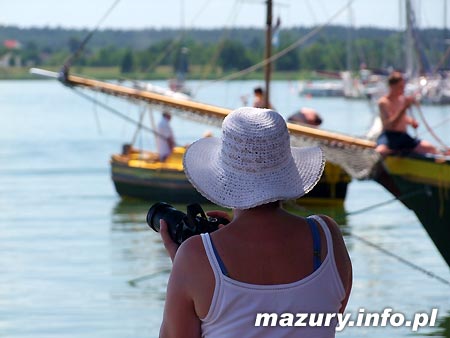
(253, 163)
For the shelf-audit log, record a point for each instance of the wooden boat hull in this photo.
(141, 175)
(148, 179)
(422, 184)
(152, 186)
(330, 190)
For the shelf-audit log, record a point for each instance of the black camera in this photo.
(182, 226)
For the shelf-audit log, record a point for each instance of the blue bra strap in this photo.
(219, 260)
(316, 242)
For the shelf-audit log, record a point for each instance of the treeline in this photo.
(335, 48)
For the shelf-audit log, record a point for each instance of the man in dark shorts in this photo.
(397, 140)
(393, 108)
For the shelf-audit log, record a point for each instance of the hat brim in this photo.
(242, 190)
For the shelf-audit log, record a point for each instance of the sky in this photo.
(138, 14)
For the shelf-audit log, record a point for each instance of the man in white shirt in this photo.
(165, 141)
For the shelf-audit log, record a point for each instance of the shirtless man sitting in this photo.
(393, 108)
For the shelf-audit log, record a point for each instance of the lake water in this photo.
(69, 245)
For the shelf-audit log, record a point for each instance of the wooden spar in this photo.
(196, 107)
(206, 109)
(300, 130)
(144, 95)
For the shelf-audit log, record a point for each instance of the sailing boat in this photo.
(422, 184)
(419, 182)
(140, 174)
(148, 180)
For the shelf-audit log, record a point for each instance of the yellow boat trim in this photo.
(149, 160)
(417, 170)
(333, 174)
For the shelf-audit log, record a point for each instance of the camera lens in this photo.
(164, 211)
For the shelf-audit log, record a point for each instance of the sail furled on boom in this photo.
(355, 155)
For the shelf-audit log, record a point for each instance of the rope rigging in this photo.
(430, 130)
(139, 123)
(325, 37)
(225, 34)
(173, 44)
(71, 58)
(283, 52)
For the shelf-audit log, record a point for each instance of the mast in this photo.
(268, 52)
(349, 39)
(445, 28)
(409, 44)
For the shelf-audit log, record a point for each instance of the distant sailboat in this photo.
(178, 83)
(429, 85)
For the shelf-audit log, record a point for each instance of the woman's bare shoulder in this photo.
(332, 224)
(191, 268)
(190, 253)
(336, 234)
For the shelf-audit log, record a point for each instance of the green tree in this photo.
(127, 65)
(311, 58)
(30, 54)
(106, 57)
(234, 56)
(289, 61)
(74, 44)
(181, 62)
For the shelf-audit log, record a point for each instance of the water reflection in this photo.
(130, 214)
(139, 261)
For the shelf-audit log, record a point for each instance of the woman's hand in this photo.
(219, 214)
(169, 244)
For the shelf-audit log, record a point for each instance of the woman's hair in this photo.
(273, 205)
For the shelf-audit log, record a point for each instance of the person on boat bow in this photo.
(165, 141)
(307, 116)
(260, 98)
(393, 109)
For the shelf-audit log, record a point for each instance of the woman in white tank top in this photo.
(266, 260)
